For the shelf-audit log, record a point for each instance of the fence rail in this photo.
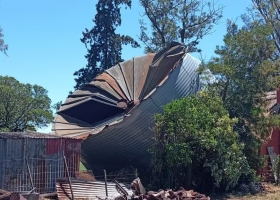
(27, 174)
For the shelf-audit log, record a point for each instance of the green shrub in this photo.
(195, 145)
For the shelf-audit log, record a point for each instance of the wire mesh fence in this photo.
(125, 175)
(34, 174)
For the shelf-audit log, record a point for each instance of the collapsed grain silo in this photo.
(114, 113)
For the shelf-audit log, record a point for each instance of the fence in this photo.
(126, 176)
(38, 174)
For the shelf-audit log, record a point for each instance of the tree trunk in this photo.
(189, 176)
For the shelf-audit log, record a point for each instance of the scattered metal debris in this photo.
(89, 189)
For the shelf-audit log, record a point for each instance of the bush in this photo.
(195, 145)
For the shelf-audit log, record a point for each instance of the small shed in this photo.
(271, 148)
(31, 160)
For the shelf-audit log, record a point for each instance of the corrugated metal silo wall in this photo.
(128, 143)
(44, 157)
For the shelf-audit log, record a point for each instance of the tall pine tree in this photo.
(3, 46)
(104, 45)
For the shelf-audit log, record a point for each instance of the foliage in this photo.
(23, 106)
(246, 69)
(276, 168)
(197, 133)
(173, 20)
(3, 46)
(269, 11)
(103, 44)
(56, 106)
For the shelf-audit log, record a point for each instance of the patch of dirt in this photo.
(272, 192)
(85, 175)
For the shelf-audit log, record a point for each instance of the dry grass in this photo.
(264, 196)
(272, 193)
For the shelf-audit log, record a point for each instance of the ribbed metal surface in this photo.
(127, 69)
(87, 189)
(44, 155)
(119, 78)
(141, 68)
(127, 143)
(132, 80)
(146, 84)
(111, 81)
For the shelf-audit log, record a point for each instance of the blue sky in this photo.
(44, 39)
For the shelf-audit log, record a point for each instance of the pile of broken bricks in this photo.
(181, 194)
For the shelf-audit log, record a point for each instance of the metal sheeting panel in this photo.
(88, 189)
(105, 86)
(111, 81)
(141, 68)
(145, 85)
(44, 156)
(122, 86)
(117, 74)
(127, 69)
(160, 68)
(127, 143)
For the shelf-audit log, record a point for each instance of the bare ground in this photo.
(272, 193)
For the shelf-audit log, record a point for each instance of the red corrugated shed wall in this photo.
(44, 155)
(273, 142)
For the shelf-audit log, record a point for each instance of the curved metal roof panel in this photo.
(120, 132)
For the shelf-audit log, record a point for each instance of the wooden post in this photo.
(29, 173)
(121, 188)
(68, 175)
(136, 173)
(105, 179)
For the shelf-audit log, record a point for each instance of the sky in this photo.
(44, 39)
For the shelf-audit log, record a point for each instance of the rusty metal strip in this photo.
(105, 86)
(70, 105)
(127, 70)
(107, 78)
(71, 100)
(87, 189)
(141, 67)
(161, 68)
(117, 74)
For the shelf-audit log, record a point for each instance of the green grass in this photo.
(82, 167)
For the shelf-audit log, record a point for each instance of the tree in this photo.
(194, 137)
(269, 11)
(23, 106)
(3, 46)
(56, 106)
(172, 20)
(104, 45)
(246, 69)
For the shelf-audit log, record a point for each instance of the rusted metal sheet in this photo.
(106, 77)
(127, 143)
(130, 79)
(141, 68)
(127, 69)
(117, 74)
(105, 86)
(88, 189)
(74, 103)
(42, 153)
(160, 68)
(74, 99)
(121, 135)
